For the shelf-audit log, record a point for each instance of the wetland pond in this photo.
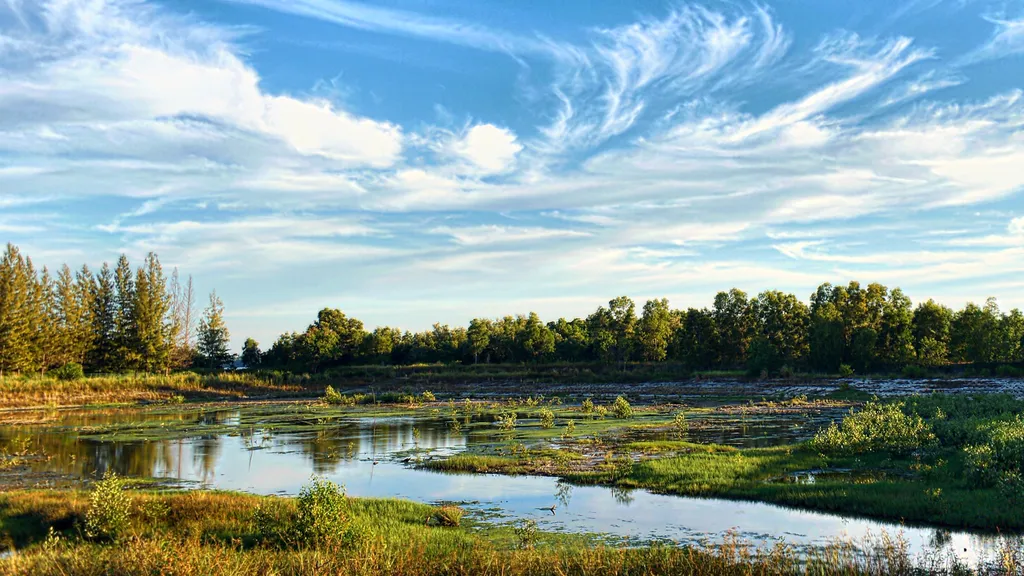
(266, 449)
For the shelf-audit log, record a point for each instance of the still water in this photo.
(370, 457)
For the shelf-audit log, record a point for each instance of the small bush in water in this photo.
(507, 420)
(428, 396)
(547, 419)
(109, 509)
(587, 407)
(321, 513)
(621, 408)
(680, 423)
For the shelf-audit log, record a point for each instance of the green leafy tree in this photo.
(151, 313)
(251, 355)
(571, 339)
(478, 338)
(896, 332)
(735, 325)
(782, 320)
(213, 346)
(655, 329)
(931, 333)
(696, 340)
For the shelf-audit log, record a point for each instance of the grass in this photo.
(215, 533)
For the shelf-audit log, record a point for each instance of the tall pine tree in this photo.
(125, 343)
(15, 298)
(213, 336)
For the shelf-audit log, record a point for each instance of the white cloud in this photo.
(109, 63)
(485, 235)
(1007, 40)
(489, 147)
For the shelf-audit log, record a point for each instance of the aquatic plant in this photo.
(428, 396)
(526, 534)
(570, 429)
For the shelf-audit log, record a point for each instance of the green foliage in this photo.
(321, 513)
(108, 517)
(332, 396)
(526, 534)
(600, 411)
(428, 396)
(877, 427)
(547, 418)
(507, 420)
(570, 429)
(680, 424)
(914, 371)
(213, 337)
(587, 407)
(68, 372)
(621, 408)
(845, 370)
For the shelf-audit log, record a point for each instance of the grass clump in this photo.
(109, 509)
(448, 516)
(877, 427)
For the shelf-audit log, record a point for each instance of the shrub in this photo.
(681, 425)
(547, 419)
(507, 420)
(570, 429)
(428, 396)
(601, 411)
(321, 513)
(914, 371)
(786, 371)
(332, 396)
(526, 533)
(621, 408)
(845, 370)
(979, 465)
(109, 509)
(587, 407)
(70, 371)
(450, 516)
(876, 427)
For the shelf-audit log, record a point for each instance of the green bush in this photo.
(621, 408)
(321, 513)
(428, 396)
(914, 371)
(877, 427)
(507, 420)
(680, 423)
(109, 508)
(526, 533)
(547, 419)
(587, 407)
(845, 370)
(67, 372)
(332, 396)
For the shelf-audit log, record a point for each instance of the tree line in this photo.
(849, 327)
(117, 319)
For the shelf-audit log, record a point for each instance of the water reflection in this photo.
(230, 452)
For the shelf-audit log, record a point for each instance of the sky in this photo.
(421, 161)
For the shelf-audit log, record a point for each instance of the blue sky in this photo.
(413, 161)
